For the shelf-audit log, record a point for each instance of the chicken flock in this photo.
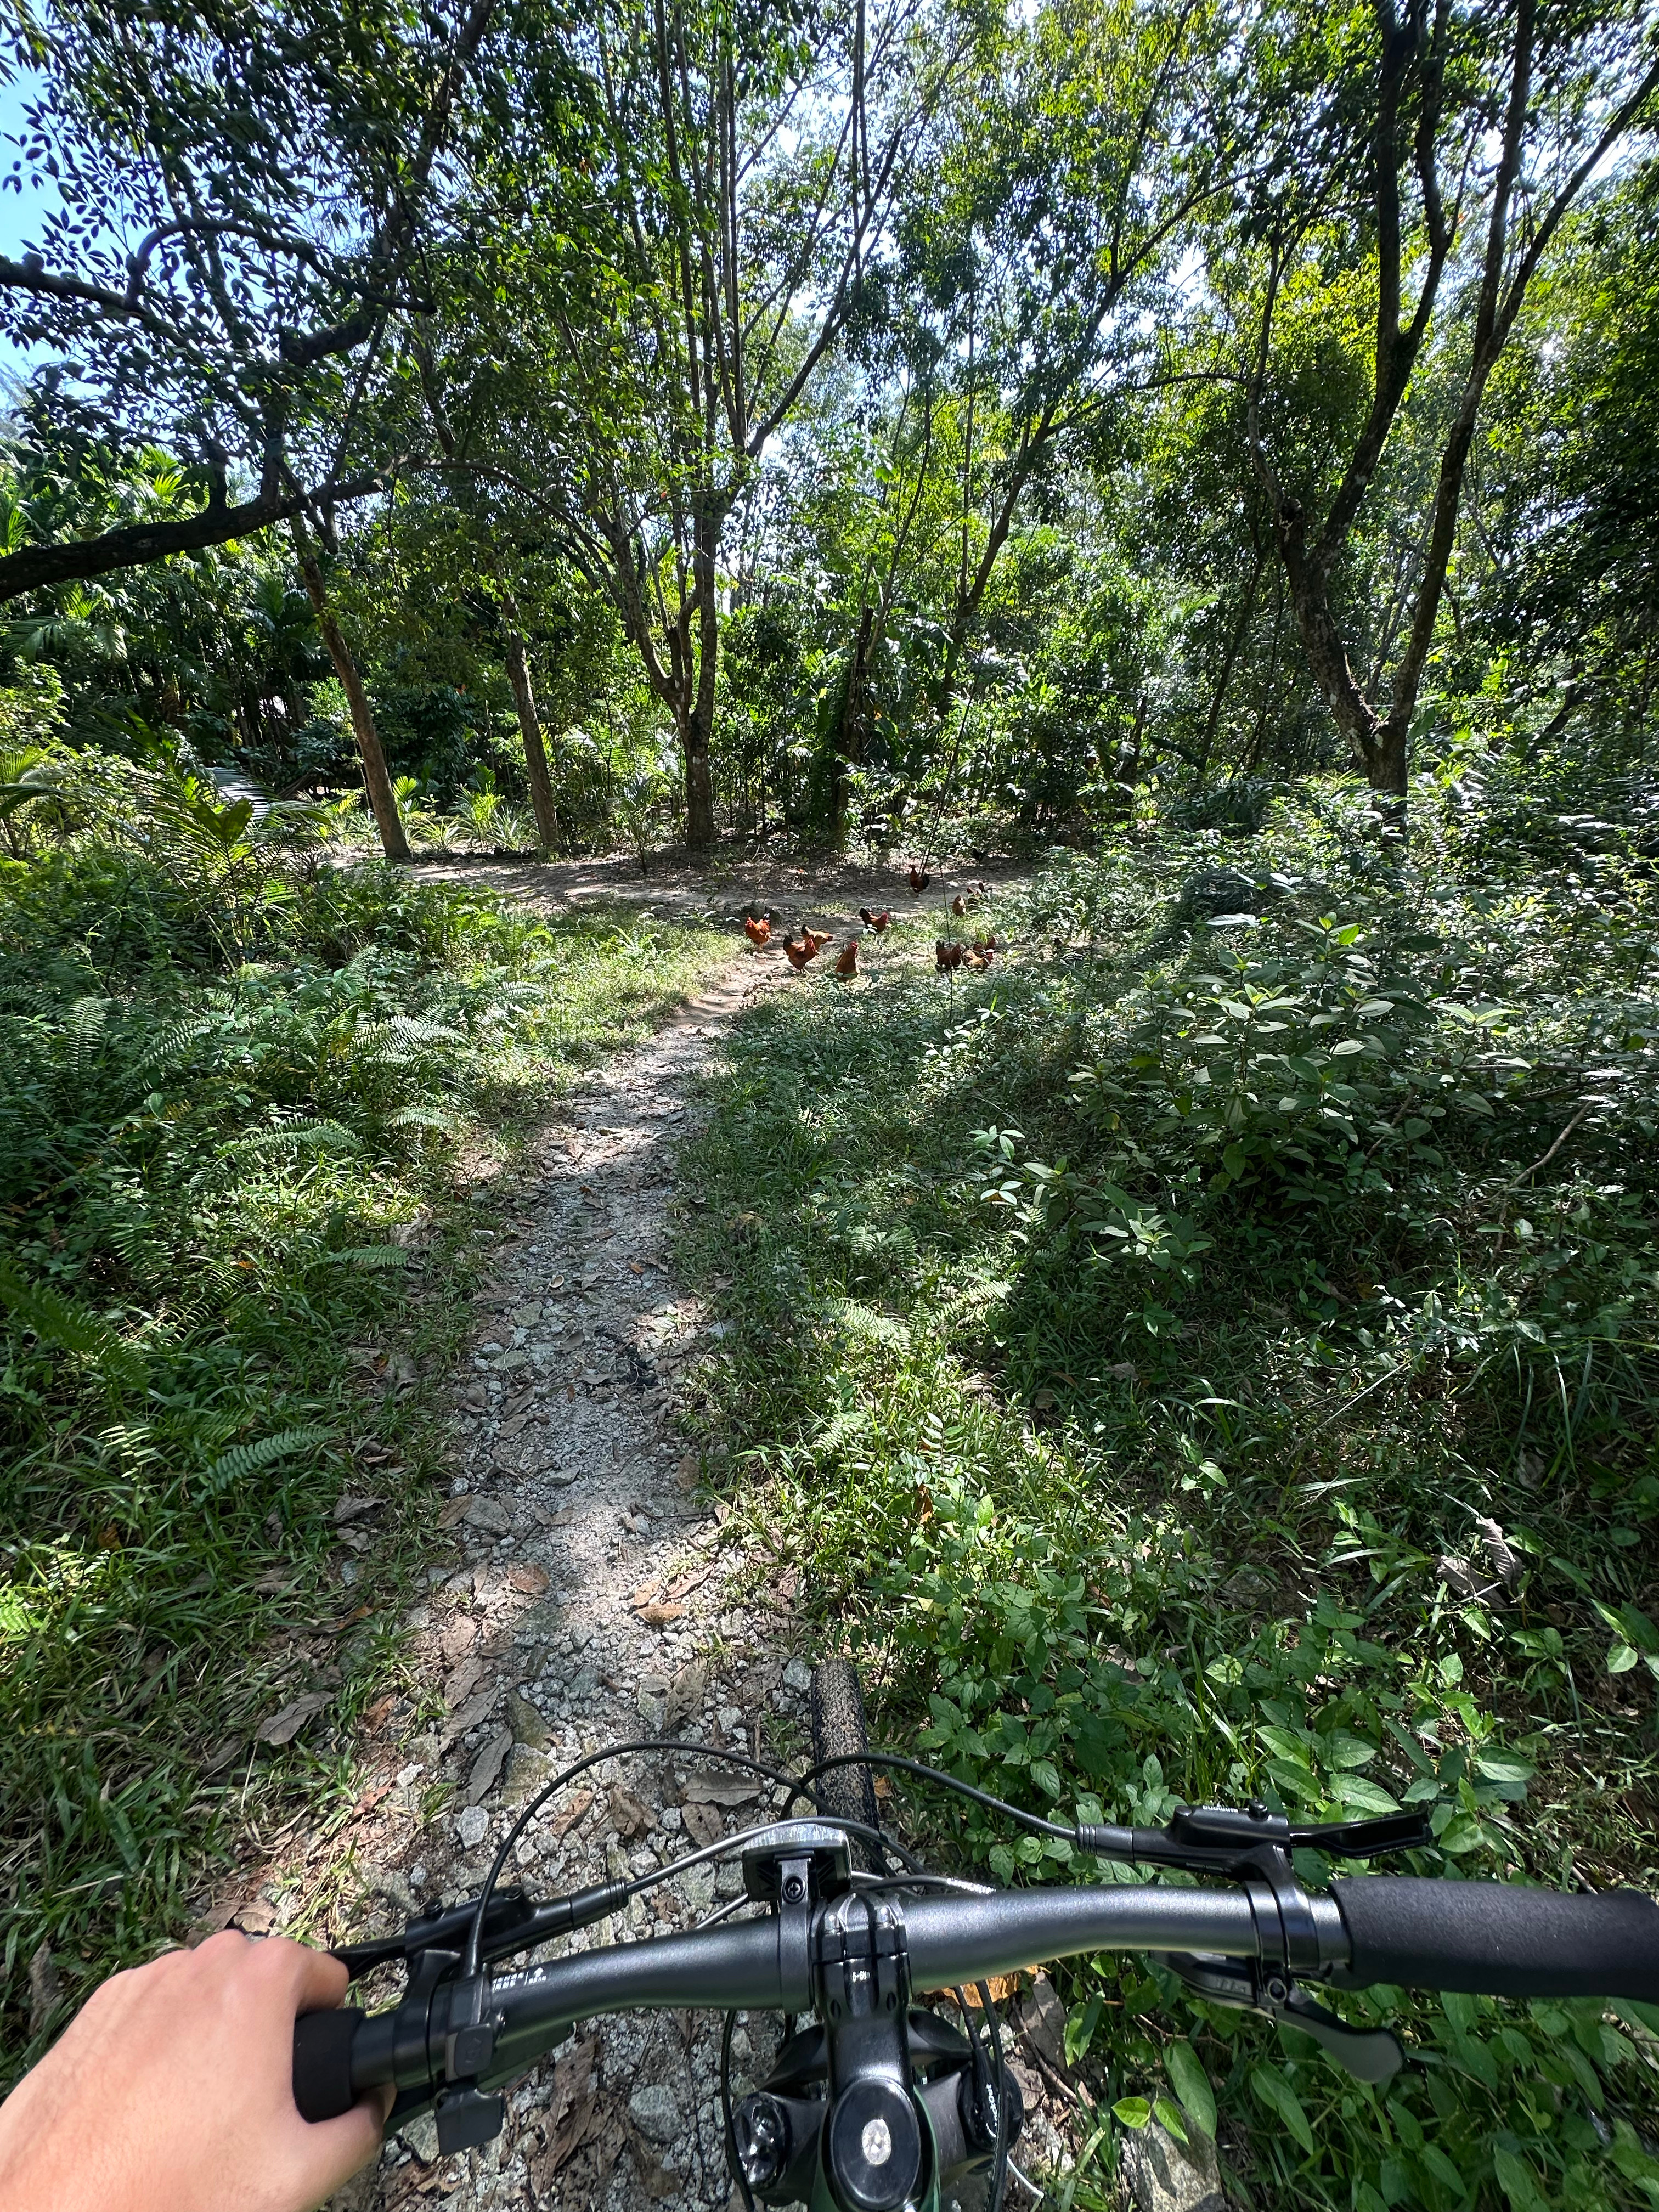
(803, 944)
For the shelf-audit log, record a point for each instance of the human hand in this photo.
(172, 2091)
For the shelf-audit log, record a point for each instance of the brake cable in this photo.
(1032, 1821)
(475, 1932)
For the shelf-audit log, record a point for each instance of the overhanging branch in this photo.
(135, 544)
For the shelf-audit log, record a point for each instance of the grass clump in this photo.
(1211, 1354)
(245, 1099)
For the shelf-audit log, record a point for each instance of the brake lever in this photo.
(1370, 2054)
(513, 1921)
(1227, 1840)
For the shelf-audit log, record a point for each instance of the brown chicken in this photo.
(759, 932)
(946, 956)
(876, 921)
(848, 963)
(797, 954)
(817, 938)
(960, 904)
(920, 879)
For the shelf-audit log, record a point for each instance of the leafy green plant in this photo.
(1169, 1405)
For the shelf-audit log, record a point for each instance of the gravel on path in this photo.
(595, 1602)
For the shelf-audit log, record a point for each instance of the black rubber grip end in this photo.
(322, 2062)
(1496, 1939)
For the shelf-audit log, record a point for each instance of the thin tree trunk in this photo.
(1235, 646)
(382, 797)
(697, 725)
(848, 747)
(530, 725)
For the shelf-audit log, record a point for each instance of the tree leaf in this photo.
(1192, 2085)
(1275, 2093)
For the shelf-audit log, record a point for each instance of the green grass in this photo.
(248, 1129)
(1131, 1343)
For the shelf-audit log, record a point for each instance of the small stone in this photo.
(729, 1716)
(697, 1887)
(1165, 2176)
(528, 1774)
(654, 2111)
(797, 1676)
(472, 1826)
(1043, 2017)
(525, 1721)
(489, 1515)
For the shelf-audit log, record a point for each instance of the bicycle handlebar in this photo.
(1493, 1938)
(1496, 1939)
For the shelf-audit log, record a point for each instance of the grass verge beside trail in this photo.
(1213, 1354)
(235, 1243)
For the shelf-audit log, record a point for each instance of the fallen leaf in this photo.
(348, 1509)
(46, 1990)
(531, 1579)
(721, 1790)
(257, 1917)
(563, 1823)
(487, 1767)
(630, 1816)
(462, 1683)
(1001, 1986)
(658, 1616)
(685, 1695)
(282, 1727)
(703, 1824)
(474, 1711)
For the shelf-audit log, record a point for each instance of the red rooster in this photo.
(847, 964)
(876, 921)
(759, 932)
(920, 879)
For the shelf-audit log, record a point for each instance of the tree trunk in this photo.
(1235, 646)
(382, 796)
(848, 736)
(530, 723)
(697, 724)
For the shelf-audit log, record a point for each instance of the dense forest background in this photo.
(1201, 452)
(675, 425)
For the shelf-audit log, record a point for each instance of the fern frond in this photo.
(421, 1117)
(168, 1047)
(294, 1136)
(68, 1327)
(87, 1018)
(248, 1459)
(368, 1256)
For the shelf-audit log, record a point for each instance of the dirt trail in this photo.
(597, 1597)
(593, 1602)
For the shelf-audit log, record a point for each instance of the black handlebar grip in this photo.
(1496, 1939)
(322, 2062)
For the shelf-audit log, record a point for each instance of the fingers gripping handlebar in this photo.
(1489, 1937)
